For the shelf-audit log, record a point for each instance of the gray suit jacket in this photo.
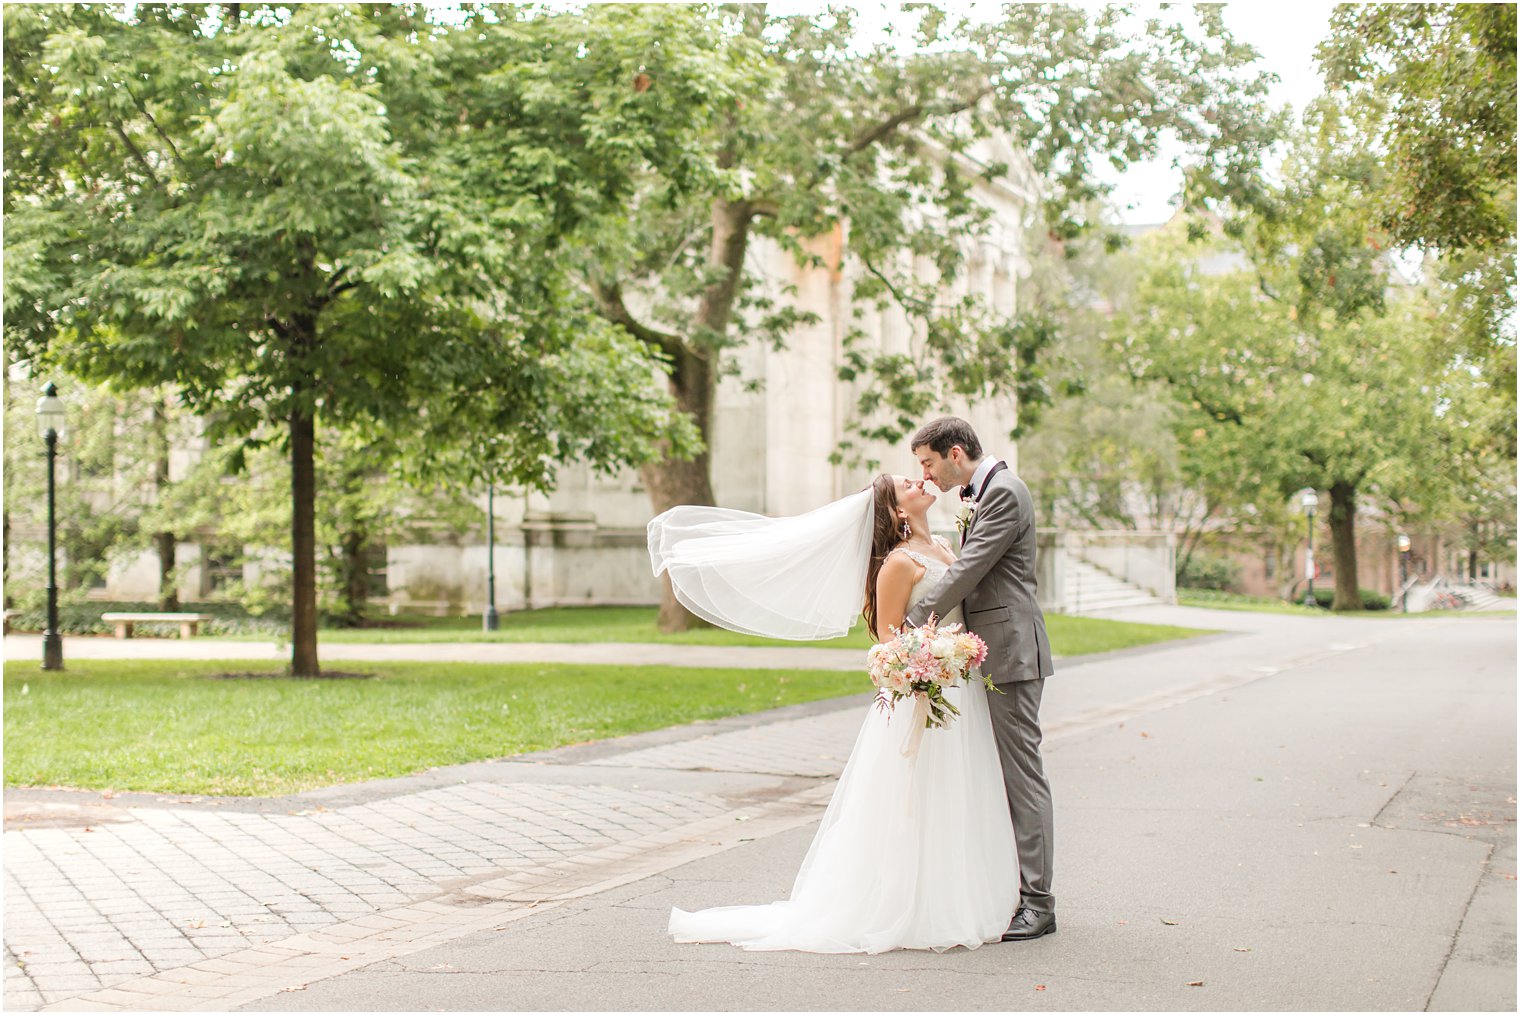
(994, 581)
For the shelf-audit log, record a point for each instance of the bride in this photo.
(916, 848)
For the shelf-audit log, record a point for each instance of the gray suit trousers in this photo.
(1016, 726)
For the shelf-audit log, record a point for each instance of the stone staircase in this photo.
(1477, 597)
(1091, 589)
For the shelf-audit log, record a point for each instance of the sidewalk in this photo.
(1214, 826)
(29, 646)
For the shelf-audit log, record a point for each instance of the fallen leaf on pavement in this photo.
(1039, 986)
(1169, 923)
(1195, 983)
(1242, 949)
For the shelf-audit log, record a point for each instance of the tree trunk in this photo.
(354, 577)
(673, 482)
(168, 591)
(303, 542)
(164, 542)
(693, 383)
(1348, 594)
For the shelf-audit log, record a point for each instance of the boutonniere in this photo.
(964, 516)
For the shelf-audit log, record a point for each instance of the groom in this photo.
(995, 581)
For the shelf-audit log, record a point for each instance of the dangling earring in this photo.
(907, 530)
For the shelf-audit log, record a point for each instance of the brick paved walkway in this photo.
(144, 902)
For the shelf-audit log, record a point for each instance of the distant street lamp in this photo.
(1310, 500)
(1403, 571)
(50, 423)
(489, 621)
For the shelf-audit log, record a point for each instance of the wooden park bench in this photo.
(188, 623)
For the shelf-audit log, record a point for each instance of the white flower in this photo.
(943, 647)
(963, 517)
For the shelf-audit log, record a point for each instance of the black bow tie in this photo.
(967, 492)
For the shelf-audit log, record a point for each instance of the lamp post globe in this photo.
(50, 424)
(51, 416)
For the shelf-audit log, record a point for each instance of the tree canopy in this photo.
(881, 150)
(346, 215)
(1436, 86)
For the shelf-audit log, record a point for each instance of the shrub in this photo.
(84, 618)
(1204, 571)
(1370, 600)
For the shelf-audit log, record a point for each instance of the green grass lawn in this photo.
(1235, 601)
(177, 727)
(1069, 636)
(1267, 604)
(186, 727)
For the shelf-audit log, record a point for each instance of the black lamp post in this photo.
(1310, 500)
(1403, 572)
(490, 620)
(50, 421)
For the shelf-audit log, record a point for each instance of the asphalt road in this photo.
(1304, 814)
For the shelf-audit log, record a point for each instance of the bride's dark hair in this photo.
(886, 533)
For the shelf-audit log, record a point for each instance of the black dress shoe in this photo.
(1028, 925)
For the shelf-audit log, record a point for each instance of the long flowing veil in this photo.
(802, 578)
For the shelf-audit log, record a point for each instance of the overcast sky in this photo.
(1285, 33)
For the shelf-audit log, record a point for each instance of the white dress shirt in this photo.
(983, 470)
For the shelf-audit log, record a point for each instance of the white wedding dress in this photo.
(913, 852)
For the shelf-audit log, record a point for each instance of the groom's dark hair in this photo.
(945, 433)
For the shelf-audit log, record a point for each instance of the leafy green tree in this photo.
(238, 505)
(822, 136)
(346, 216)
(1273, 398)
(1107, 453)
(1442, 79)
(1437, 82)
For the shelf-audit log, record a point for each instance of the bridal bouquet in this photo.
(920, 662)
